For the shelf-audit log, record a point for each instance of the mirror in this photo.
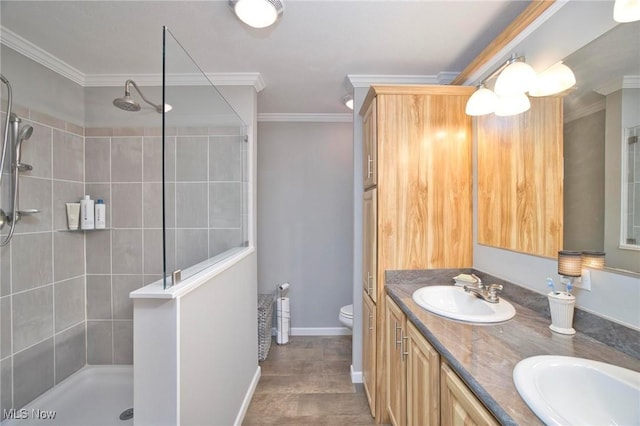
(601, 169)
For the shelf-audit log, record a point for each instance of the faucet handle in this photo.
(493, 290)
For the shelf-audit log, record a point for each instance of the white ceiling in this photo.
(304, 59)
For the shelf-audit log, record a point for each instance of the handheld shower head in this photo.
(23, 135)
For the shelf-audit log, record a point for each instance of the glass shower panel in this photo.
(204, 170)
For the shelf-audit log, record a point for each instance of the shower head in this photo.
(25, 133)
(127, 103)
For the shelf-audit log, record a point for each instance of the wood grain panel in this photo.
(423, 381)
(424, 182)
(520, 171)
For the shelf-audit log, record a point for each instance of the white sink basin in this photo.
(453, 302)
(564, 390)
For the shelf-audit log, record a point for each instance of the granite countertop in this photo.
(484, 356)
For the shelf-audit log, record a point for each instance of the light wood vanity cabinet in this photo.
(369, 351)
(412, 374)
(417, 162)
(422, 390)
(459, 406)
(369, 138)
(369, 244)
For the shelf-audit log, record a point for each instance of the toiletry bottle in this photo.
(101, 217)
(86, 213)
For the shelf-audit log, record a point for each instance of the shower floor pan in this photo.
(94, 396)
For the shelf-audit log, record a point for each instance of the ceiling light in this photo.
(555, 79)
(626, 10)
(482, 102)
(257, 13)
(348, 101)
(512, 105)
(516, 78)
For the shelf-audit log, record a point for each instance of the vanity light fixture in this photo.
(348, 101)
(258, 13)
(626, 11)
(515, 78)
(569, 263)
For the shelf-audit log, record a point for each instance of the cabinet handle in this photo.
(398, 342)
(369, 168)
(403, 348)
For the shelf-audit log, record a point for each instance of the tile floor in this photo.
(308, 382)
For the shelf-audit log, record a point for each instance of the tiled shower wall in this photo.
(204, 191)
(42, 280)
(55, 315)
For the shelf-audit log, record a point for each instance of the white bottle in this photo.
(86, 213)
(101, 215)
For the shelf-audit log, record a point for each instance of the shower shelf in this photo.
(83, 230)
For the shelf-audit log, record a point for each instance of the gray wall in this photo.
(584, 183)
(305, 217)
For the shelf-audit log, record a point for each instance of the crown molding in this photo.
(585, 110)
(39, 55)
(626, 82)
(187, 79)
(44, 58)
(366, 80)
(446, 77)
(305, 118)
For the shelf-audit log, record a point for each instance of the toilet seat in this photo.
(346, 316)
(347, 311)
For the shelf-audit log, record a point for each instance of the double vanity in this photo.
(476, 360)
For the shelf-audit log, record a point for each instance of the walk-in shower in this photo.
(13, 137)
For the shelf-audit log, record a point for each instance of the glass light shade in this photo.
(555, 79)
(569, 263)
(593, 259)
(515, 79)
(482, 102)
(626, 10)
(512, 105)
(348, 101)
(257, 13)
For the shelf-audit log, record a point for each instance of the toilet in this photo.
(346, 315)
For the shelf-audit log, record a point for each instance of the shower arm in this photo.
(127, 92)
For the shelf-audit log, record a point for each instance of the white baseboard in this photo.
(317, 331)
(356, 376)
(247, 398)
(321, 331)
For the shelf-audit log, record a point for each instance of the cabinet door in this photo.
(369, 351)
(369, 141)
(423, 380)
(460, 407)
(369, 244)
(396, 373)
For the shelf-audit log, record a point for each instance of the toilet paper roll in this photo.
(283, 318)
(283, 286)
(282, 307)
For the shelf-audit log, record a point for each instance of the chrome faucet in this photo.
(486, 293)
